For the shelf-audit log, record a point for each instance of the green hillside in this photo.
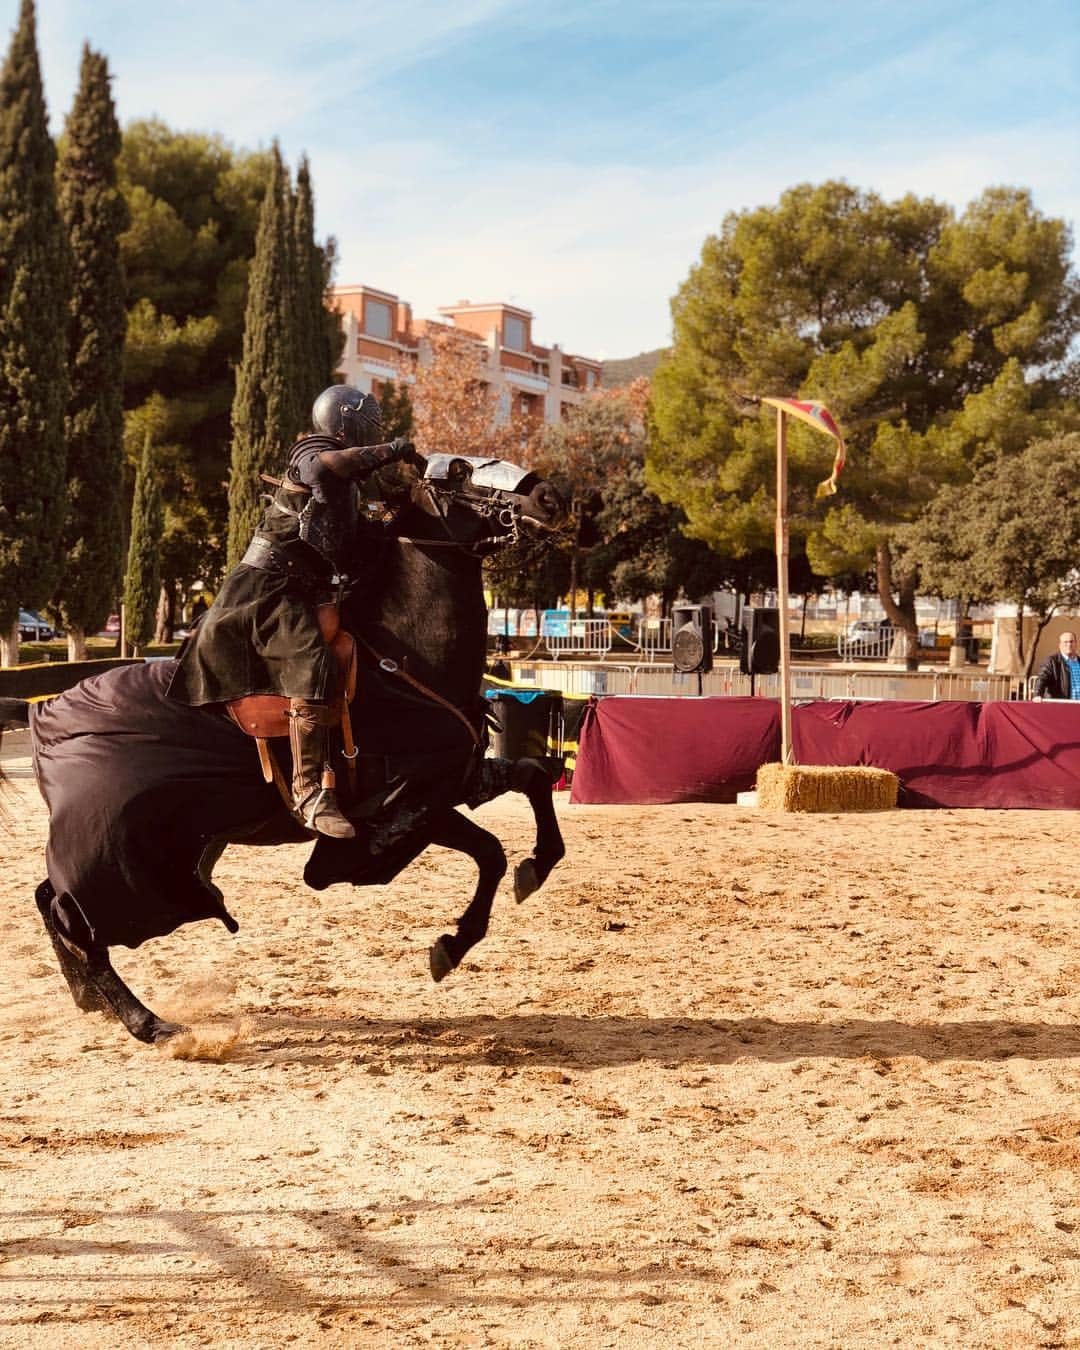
(630, 367)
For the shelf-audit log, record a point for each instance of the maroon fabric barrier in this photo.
(649, 750)
(1035, 752)
(935, 749)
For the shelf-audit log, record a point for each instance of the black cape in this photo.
(137, 786)
(260, 636)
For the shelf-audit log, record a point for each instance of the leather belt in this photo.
(266, 556)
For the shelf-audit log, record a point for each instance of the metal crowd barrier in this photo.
(807, 682)
(583, 637)
(877, 646)
(654, 638)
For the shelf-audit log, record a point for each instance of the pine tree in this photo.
(142, 584)
(95, 215)
(33, 309)
(264, 416)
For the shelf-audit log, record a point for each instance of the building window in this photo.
(590, 379)
(377, 319)
(513, 333)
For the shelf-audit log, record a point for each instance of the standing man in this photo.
(1059, 675)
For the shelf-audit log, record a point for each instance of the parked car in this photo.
(864, 630)
(112, 626)
(33, 628)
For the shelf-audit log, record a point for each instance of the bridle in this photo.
(494, 505)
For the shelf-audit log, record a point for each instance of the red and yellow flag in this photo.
(821, 419)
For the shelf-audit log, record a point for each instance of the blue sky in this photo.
(570, 157)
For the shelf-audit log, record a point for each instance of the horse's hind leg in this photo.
(94, 984)
(86, 997)
(534, 781)
(137, 1018)
(453, 830)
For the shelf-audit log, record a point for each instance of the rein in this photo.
(509, 516)
(391, 667)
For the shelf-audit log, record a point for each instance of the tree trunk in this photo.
(900, 612)
(76, 643)
(165, 618)
(1043, 620)
(9, 644)
(958, 652)
(574, 567)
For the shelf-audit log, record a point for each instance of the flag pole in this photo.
(786, 754)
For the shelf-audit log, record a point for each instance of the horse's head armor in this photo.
(515, 496)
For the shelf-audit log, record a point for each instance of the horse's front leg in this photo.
(497, 776)
(453, 830)
(94, 984)
(527, 776)
(534, 781)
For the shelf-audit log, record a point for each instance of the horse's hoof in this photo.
(525, 880)
(440, 960)
(160, 1032)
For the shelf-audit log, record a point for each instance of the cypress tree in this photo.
(33, 315)
(319, 332)
(298, 404)
(308, 291)
(264, 419)
(95, 215)
(142, 584)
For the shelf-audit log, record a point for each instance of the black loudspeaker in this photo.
(759, 648)
(691, 637)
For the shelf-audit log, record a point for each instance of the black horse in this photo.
(144, 793)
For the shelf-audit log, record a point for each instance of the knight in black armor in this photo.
(262, 633)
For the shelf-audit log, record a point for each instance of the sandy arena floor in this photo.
(731, 1078)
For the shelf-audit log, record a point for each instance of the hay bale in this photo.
(825, 787)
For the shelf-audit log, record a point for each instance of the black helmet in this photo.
(347, 414)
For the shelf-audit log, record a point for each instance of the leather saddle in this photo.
(265, 716)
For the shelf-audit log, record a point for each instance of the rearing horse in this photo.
(145, 793)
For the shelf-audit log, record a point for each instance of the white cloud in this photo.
(598, 253)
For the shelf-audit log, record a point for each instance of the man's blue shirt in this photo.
(1073, 665)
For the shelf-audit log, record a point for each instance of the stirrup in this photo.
(320, 812)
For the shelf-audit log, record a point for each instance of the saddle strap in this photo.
(392, 668)
(348, 745)
(271, 771)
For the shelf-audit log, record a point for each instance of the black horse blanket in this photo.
(138, 786)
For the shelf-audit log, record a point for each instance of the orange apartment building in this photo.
(381, 336)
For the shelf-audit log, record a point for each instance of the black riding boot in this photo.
(314, 802)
